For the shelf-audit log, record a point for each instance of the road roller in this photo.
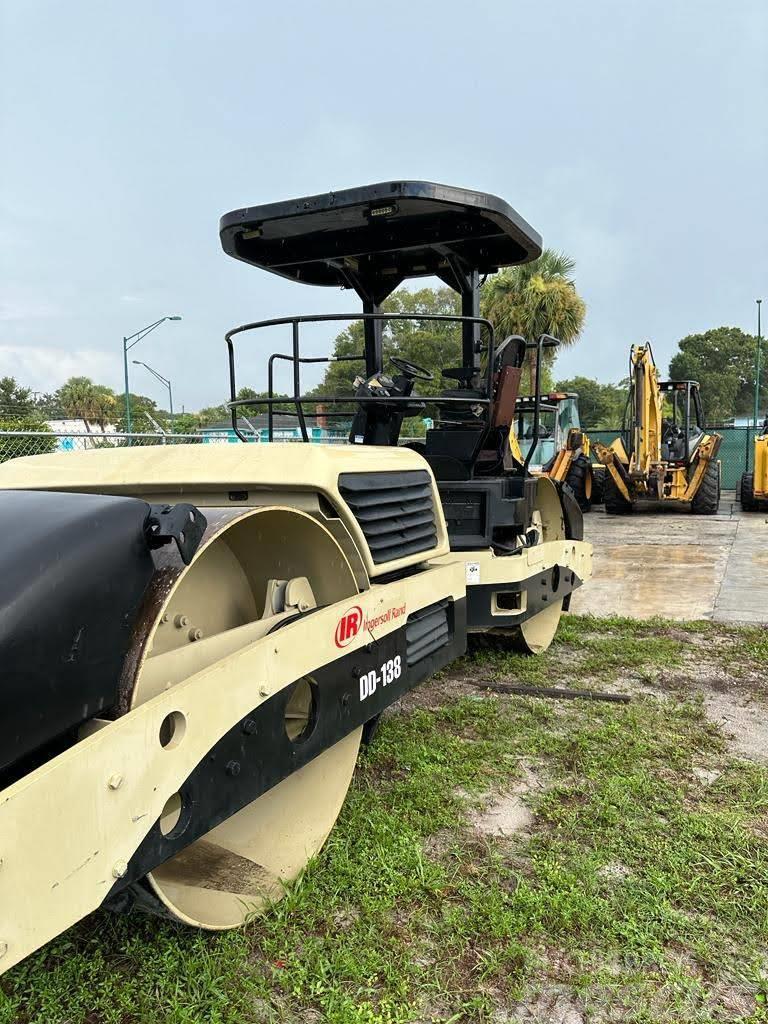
(195, 638)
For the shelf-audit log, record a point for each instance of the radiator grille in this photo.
(427, 631)
(395, 511)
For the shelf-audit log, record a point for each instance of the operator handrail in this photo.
(299, 400)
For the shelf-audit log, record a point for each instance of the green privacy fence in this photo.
(736, 451)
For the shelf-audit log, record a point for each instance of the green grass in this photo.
(640, 893)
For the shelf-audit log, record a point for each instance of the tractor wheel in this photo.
(747, 492)
(707, 499)
(598, 484)
(579, 479)
(536, 634)
(243, 864)
(614, 500)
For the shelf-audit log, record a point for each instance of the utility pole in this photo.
(134, 340)
(757, 364)
(163, 380)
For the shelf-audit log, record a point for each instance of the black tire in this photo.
(598, 485)
(747, 492)
(579, 479)
(707, 499)
(614, 500)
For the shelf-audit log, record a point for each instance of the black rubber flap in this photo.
(73, 571)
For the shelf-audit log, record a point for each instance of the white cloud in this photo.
(44, 368)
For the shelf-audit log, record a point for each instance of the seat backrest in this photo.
(505, 391)
(511, 352)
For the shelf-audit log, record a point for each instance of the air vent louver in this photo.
(427, 631)
(395, 511)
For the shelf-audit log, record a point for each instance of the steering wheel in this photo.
(412, 370)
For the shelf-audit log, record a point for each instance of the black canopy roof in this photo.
(374, 237)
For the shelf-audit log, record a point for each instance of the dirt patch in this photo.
(707, 776)
(508, 814)
(614, 872)
(433, 694)
(736, 706)
(504, 817)
(744, 723)
(553, 1005)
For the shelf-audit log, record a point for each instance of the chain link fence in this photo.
(16, 443)
(736, 452)
(736, 455)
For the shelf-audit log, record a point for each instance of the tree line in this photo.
(529, 300)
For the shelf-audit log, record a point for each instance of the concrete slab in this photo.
(678, 566)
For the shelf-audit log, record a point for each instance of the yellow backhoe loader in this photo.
(664, 455)
(753, 487)
(193, 638)
(561, 449)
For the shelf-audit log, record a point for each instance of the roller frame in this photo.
(103, 797)
(541, 575)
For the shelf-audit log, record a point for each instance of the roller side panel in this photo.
(62, 857)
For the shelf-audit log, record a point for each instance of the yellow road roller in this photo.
(194, 637)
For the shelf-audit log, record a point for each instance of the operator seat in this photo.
(469, 439)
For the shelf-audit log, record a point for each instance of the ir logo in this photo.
(349, 626)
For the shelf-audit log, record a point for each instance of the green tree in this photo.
(49, 407)
(186, 422)
(431, 344)
(16, 401)
(142, 408)
(600, 405)
(214, 414)
(18, 412)
(81, 399)
(722, 361)
(536, 298)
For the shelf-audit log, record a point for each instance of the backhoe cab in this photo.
(184, 690)
(664, 454)
(561, 451)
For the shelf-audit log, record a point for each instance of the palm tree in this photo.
(104, 405)
(79, 399)
(536, 298)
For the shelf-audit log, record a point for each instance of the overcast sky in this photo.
(631, 134)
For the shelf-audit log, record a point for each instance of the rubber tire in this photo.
(576, 479)
(747, 492)
(614, 501)
(706, 501)
(598, 485)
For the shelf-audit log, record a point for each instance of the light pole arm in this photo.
(160, 377)
(137, 337)
(163, 380)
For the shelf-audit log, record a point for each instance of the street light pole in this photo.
(134, 339)
(163, 380)
(757, 364)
